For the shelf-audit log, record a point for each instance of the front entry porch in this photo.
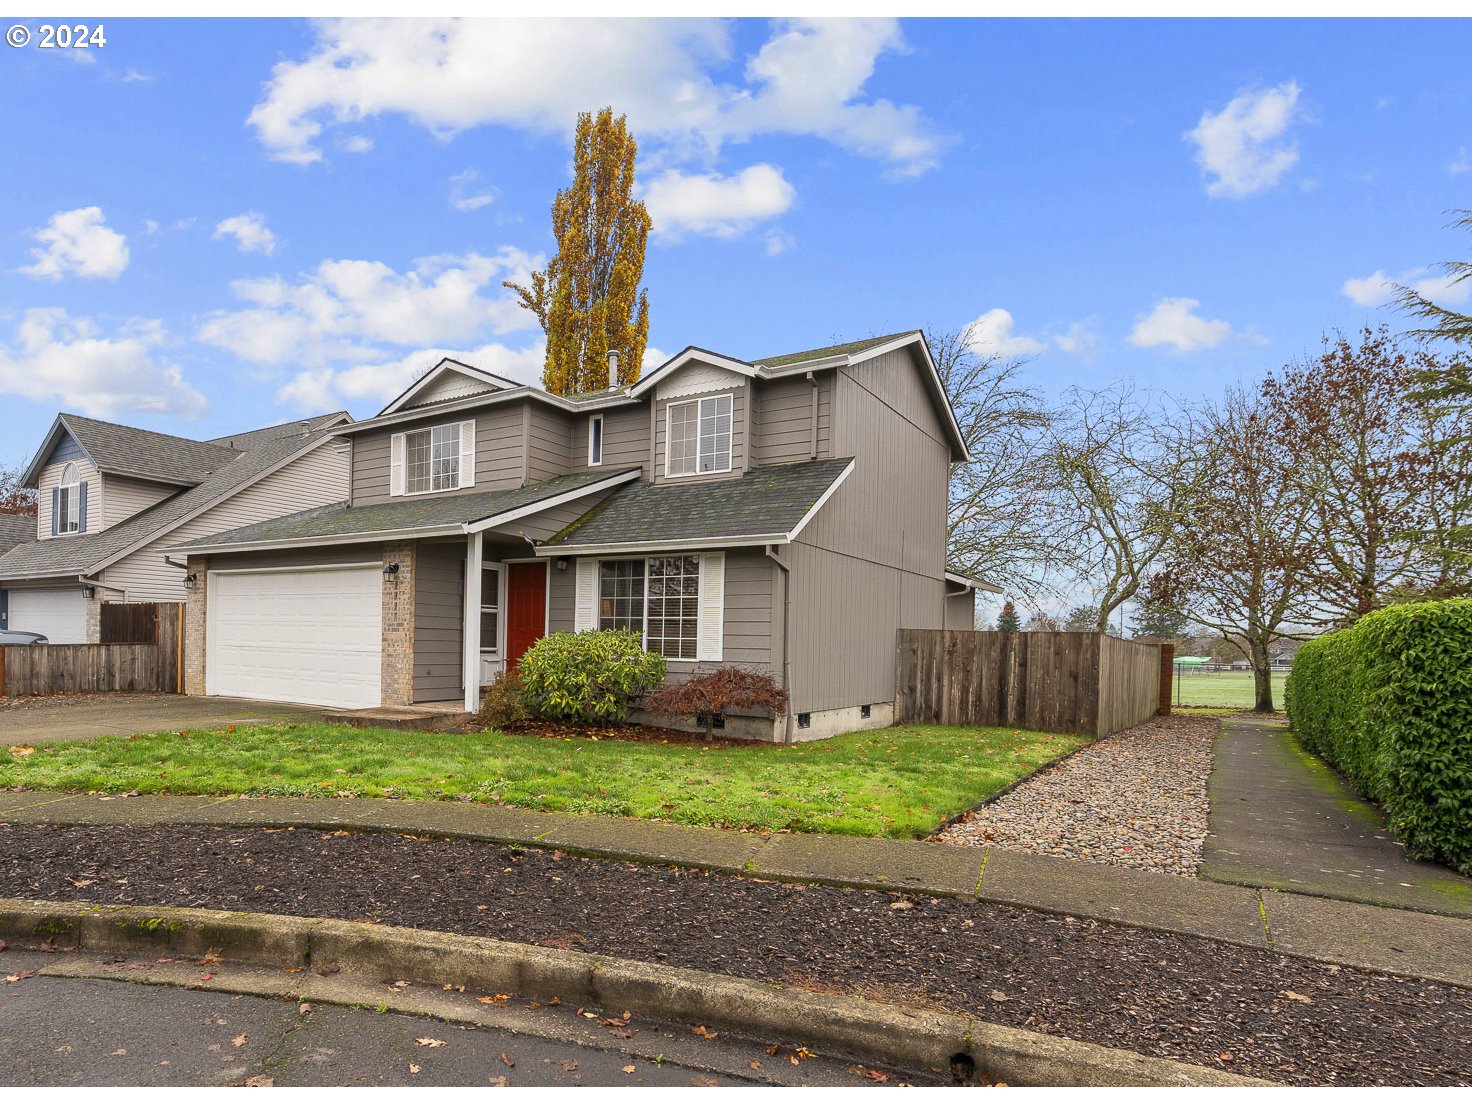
(505, 612)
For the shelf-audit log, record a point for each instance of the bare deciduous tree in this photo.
(996, 527)
(14, 497)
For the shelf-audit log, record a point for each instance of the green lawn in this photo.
(1226, 688)
(898, 782)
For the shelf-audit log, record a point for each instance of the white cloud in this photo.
(1243, 148)
(468, 192)
(249, 231)
(352, 310)
(54, 358)
(1378, 289)
(1174, 322)
(991, 335)
(78, 242)
(1461, 163)
(716, 206)
(1079, 337)
(132, 76)
(778, 241)
(450, 75)
(356, 143)
(382, 380)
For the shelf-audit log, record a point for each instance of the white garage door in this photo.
(308, 636)
(59, 615)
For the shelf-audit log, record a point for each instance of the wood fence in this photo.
(1045, 681)
(129, 623)
(155, 667)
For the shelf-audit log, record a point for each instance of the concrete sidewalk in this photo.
(1415, 944)
(1283, 819)
(47, 720)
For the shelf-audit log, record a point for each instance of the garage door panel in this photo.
(312, 636)
(59, 615)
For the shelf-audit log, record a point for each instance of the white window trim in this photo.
(706, 650)
(595, 421)
(699, 417)
(497, 649)
(399, 459)
(70, 501)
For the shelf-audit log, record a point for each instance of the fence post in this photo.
(1167, 672)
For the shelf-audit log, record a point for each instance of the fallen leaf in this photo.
(506, 1060)
(63, 1049)
(206, 977)
(328, 968)
(998, 995)
(569, 1065)
(426, 1041)
(703, 1031)
(120, 1053)
(879, 1077)
(413, 1068)
(628, 1069)
(448, 988)
(20, 751)
(21, 976)
(1299, 997)
(773, 1049)
(211, 957)
(755, 1063)
(902, 905)
(239, 1040)
(303, 1009)
(259, 1081)
(803, 1054)
(1224, 1056)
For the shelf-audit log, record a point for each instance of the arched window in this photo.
(69, 501)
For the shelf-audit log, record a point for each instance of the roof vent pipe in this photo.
(612, 367)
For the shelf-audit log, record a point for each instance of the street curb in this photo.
(906, 1037)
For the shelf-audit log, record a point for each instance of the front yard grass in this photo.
(901, 782)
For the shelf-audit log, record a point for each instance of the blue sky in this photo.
(218, 224)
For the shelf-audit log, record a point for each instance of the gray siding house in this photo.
(113, 498)
(786, 514)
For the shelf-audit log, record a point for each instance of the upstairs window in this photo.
(698, 436)
(69, 501)
(595, 440)
(441, 458)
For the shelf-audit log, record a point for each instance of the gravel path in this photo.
(1137, 799)
(1245, 1010)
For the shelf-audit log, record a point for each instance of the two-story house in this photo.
(787, 514)
(113, 498)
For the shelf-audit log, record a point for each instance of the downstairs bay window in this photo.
(676, 603)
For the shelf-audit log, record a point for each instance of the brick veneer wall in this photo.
(397, 677)
(194, 621)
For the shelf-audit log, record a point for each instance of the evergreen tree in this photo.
(1009, 621)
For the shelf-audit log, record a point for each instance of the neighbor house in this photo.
(113, 498)
(787, 514)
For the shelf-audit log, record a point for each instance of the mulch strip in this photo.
(1248, 1011)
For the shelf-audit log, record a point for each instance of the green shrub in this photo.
(589, 676)
(503, 706)
(1388, 702)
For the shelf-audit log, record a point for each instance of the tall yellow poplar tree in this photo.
(588, 299)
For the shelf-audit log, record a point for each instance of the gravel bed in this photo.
(1137, 798)
(1249, 1011)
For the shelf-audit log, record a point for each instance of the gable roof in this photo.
(251, 438)
(90, 553)
(16, 529)
(846, 349)
(140, 453)
(420, 516)
(445, 366)
(769, 505)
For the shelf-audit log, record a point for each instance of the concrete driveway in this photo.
(45, 720)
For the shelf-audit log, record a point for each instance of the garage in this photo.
(59, 614)
(307, 635)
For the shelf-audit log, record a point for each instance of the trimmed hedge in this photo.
(588, 676)
(1388, 702)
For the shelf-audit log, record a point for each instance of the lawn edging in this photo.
(904, 1036)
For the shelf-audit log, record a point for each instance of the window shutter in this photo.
(585, 615)
(81, 508)
(467, 453)
(55, 510)
(396, 465)
(710, 633)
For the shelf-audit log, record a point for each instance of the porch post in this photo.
(473, 556)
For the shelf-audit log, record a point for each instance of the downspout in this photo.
(813, 443)
(786, 638)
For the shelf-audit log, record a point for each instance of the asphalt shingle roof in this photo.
(846, 349)
(422, 512)
(251, 438)
(146, 454)
(87, 553)
(16, 529)
(762, 503)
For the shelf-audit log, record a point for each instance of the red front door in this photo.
(526, 609)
